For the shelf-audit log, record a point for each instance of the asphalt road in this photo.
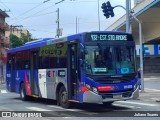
(12, 102)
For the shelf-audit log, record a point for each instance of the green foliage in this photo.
(17, 42)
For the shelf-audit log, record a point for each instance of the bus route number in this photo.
(94, 37)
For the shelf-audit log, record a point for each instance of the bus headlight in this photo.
(88, 86)
(93, 89)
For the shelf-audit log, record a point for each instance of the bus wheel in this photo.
(63, 98)
(23, 95)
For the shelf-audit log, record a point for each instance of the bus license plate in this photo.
(117, 96)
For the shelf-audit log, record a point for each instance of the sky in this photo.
(39, 16)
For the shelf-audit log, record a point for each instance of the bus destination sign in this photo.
(108, 37)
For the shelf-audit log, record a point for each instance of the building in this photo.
(147, 11)
(17, 32)
(4, 42)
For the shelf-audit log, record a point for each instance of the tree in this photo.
(15, 41)
(25, 38)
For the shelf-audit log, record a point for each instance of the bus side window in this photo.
(26, 60)
(26, 66)
(9, 62)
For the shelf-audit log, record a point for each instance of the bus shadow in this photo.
(38, 100)
(92, 108)
(99, 108)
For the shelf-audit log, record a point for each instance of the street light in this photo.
(141, 48)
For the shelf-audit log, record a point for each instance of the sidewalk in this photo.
(150, 95)
(150, 75)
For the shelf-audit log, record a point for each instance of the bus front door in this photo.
(72, 74)
(34, 72)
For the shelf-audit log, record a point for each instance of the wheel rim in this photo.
(64, 97)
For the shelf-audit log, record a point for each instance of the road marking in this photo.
(63, 108)
(73, 110)
(3, 91)
(2, 108)
(37, 109)
(138, 103)
(156, 99)
(151, 79)
(156, 90)
(128, 106)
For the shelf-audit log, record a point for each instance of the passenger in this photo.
(100, 61)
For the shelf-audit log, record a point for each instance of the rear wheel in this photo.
(23, 95)
(63, 98)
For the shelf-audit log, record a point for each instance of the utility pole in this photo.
(76, 24)
(127, 16)
(58, 30)
(128, 30)
(99, 24)
(130, 12)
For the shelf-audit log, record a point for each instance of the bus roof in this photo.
(43, 42)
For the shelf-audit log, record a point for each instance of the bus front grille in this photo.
(125, 94)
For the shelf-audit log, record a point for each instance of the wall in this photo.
(151, 58)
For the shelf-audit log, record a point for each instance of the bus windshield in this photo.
(109, 60)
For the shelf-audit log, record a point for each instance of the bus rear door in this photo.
(34, 72)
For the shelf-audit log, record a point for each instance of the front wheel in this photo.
(23, 95)
(63, 98)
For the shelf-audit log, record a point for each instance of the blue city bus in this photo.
(90, 67)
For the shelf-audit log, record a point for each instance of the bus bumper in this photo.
(91, 97)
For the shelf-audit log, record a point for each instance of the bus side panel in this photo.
(8, 80)
(81, 93)
(19, 76)
(27, 82)
(48, 79)
(12, 83)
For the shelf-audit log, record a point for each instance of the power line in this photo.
(35, 13)
(7, 8)
(41, 31)
(30, 9)
(33, 8)
(53, 2)
(38, 15)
